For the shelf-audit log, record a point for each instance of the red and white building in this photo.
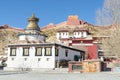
(79, 38)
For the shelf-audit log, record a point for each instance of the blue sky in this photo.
(16, 12)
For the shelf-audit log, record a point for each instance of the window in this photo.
(48, 51)
(47, 59)
(74, 33)
(66, 33)
(38, 51)
(25, 51)
(63, 33)
(25, 59)
(59, 33)
(13, 52)
(12, 59)
(56, 51)
(82, 34)
(66, 53)
(39, 59)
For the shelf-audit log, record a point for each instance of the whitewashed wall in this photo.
(75, 34)
(62, 35)
(84, 34)
(32, 37)
(80, 34)
(31, 60)
(57, 35)
(70, 56)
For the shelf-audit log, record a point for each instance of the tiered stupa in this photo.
(32, 32)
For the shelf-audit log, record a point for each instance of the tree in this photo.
(110, 15)
(111, 45)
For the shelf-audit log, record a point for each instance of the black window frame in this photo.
(24, 51)
(36, 52)
(11, 54)
(46, 54)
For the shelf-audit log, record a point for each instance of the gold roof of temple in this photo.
(33, 23)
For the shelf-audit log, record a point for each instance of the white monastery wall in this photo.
(71, 53)
(32, 37)
(31, 61)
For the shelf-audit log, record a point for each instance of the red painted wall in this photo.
(83, 41)
(92, 51)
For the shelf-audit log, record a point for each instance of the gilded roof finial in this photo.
(33, 15)
(33, 22)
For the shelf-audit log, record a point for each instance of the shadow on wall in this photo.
(108, 69)
(1, 67)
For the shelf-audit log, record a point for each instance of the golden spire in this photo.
(33, 15)
(33, 23)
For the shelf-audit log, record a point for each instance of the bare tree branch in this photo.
(110, 15)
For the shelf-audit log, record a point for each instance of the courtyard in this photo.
(57, 75)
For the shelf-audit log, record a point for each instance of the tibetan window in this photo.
(13, 52)
(38, 51)
(56, 51)
(48, 51)
(25, 51)
(82, 34)
(66, 53)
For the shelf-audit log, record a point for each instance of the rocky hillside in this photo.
(8, 35)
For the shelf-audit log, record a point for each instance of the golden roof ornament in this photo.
(33, 23)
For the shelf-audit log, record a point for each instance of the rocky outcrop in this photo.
(8, 35)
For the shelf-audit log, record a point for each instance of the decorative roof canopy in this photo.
(33, 23)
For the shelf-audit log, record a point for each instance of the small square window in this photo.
(47, 59)
(12, 59)
(39, 59)
(25, 59)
